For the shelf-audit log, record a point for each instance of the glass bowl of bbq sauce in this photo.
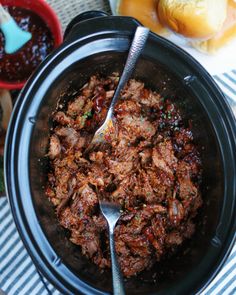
(38, 18)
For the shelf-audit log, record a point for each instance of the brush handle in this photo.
(4, 15)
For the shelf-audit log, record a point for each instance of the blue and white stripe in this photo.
(227, 83)
(18, 275)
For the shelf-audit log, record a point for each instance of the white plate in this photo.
(223, 61)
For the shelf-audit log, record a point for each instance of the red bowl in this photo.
(50, 18)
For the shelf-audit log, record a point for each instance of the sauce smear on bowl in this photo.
(19, 66)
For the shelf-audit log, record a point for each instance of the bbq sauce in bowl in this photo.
(19, 66)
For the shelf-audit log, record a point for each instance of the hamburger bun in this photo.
(224, 36)
(199, 19)
(143, 11)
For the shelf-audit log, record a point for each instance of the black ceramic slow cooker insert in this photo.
(96, 43)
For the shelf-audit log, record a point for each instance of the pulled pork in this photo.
(152, 168)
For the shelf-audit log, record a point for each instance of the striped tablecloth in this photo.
(18, 274)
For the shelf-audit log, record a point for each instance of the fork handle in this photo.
(138, 43)
(118, 286)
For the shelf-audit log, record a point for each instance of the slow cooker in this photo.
(98, 43)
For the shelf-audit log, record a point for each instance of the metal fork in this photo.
(103, 134)
(111, 212)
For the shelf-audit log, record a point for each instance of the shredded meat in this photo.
(152, 168)
(54, 147)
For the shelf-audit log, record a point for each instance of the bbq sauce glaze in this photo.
(18, 67)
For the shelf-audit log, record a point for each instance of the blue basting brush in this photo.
(15, 37)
